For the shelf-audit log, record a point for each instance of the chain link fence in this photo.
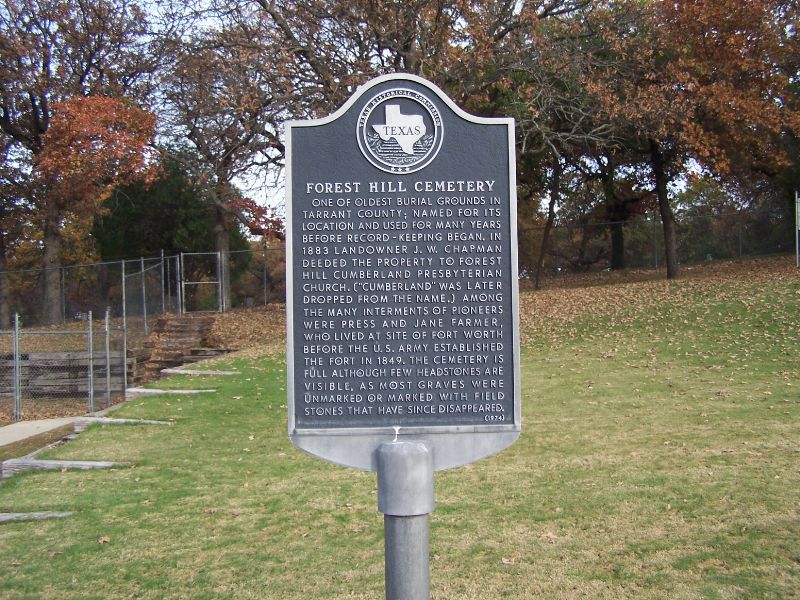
(151, 288)
(246, 279)
(583, 246)
(47, 371)
(77, 363)
(258, 277)
(129, 289)
(139, 290)
(9, 377)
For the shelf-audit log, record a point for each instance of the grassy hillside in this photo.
(660, 458)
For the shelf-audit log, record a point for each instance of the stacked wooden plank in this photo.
(62, 374)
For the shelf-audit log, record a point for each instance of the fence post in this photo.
(168, 281)
(108, 355)
(124, 333)
(224, 292)
(91, 364)
(163, 299)
(264, 271)
(62, 285)
(221, 279)
(144, 296)
(17, 412)
(181, 278)
(224, 261)
(124, 361)
(220, 294)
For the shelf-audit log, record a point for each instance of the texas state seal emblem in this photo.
(400, 131)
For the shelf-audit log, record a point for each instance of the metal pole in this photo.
(797, 227)
(62, 282)
(163, 298)
(224, 260)
(220, 294)
(169, 283)
(405, 497)
(407, 574)
(144, 296)
(182, 292)
(91, 364)
(17, 412)
(265, 275)
(107, 331)
(124, 334)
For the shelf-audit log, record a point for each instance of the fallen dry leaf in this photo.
(549, 537)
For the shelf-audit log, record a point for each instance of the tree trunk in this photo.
(615, 210)
(617, 246)
(582, 258)
(222, 241)
(411, 61)
(555, 189)
(51, 276)
(667, 217)
(5, 295)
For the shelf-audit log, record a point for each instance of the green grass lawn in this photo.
(660, 458)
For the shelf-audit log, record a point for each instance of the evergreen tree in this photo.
(171, 214)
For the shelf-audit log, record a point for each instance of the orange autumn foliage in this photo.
(737, 62)
(94, 144)
(708, 79)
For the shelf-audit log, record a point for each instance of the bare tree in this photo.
(225, 95)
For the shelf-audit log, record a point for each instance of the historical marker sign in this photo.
(402, 277)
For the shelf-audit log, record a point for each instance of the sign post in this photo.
(405, 497)
(402, 298)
